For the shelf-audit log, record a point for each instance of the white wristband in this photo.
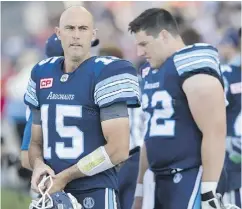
(95, 162)
(208, 186)
(139, 190)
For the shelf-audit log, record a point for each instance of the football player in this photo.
(230, 182)
(183, 96)
(80, 126)
(128, 170)
(53, 48)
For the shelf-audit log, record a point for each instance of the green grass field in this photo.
(14, 199)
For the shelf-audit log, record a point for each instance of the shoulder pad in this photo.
(50, 60)
(200, 56)
(105, 60)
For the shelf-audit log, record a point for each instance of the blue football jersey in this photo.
(172, 137)
(70, 110)
(27, 131)
(232, 81)
(27, 134)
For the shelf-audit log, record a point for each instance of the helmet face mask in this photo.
(58, 200)
(45, 201)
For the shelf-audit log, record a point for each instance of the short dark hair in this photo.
(152, 21)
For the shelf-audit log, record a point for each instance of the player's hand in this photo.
(214, 201)
(59, 184)
(137, 204)
(40, 170)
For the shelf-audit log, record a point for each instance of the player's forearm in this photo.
(71, 174)
(213, 153)
(117, 154)
(36, 145)
(25, 159)
(117, 134)
(101, 159)
(35, 154)
(143, 164)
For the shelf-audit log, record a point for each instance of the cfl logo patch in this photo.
(88, 202)
(46, 83)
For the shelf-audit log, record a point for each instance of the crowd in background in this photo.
(26, 26)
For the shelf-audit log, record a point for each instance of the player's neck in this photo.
(174, 46)
(70, 65)
(178, 45)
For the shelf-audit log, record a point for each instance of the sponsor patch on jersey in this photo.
(235, 88)
(46, 83)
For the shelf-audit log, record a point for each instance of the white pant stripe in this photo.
(240, 195)
(232, 197)
(110, 199)
(196, 188)
(114, 200)
(106, 198)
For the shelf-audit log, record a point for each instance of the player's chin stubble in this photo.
(76, 58)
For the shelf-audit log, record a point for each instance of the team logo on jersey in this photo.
(64, 78)
(151, 85)
(177, 178)
(88, 202)
(145, 71)
(60, 96)
(46, 83)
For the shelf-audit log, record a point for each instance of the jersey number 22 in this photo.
(164, 114)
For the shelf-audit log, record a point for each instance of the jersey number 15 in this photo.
(72, 132)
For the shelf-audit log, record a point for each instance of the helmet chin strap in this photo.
(45, 201)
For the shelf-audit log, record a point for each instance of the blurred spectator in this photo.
(229, 47)
(190, 36)
(111, 50)
(240, 40)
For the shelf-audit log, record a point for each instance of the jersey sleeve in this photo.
(226, 70)
(117, 82)
(27, 134)
(31, 95)
(201, 59)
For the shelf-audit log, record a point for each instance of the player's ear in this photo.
(164, 34)
(94, 34)
(57, 31)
